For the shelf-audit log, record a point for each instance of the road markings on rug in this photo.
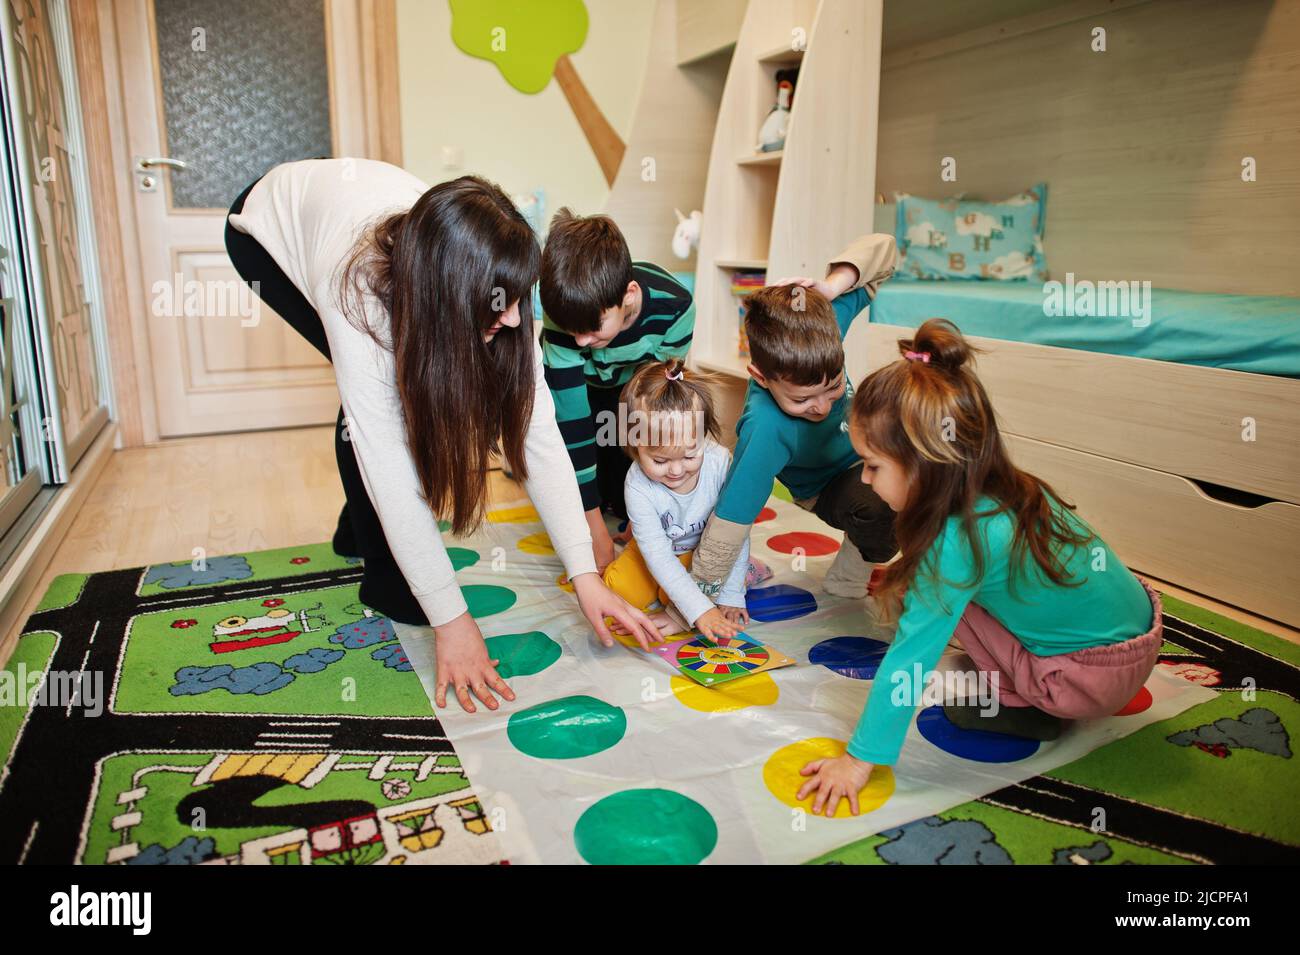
(22, 857)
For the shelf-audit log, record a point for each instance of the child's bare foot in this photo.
(666, 623)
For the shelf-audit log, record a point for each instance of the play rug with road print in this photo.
(253, 711)
(243, 710)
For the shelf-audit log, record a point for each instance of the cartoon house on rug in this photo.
(317, 830)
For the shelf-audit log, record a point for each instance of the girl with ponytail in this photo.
(678, 470)
(1058, 628)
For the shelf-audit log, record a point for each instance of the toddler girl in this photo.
(678, 470)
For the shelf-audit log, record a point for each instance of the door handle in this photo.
(148, 181)
(148, 162)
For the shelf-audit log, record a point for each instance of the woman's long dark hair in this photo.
(931, 415)
(445, 270)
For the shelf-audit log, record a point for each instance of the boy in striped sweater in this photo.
(604, 316)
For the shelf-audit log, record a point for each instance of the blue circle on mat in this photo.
(780, 602)
(855, 657)
(978, 745)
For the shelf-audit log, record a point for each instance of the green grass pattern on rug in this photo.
(241, 708)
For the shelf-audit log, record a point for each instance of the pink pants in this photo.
(1084, 684)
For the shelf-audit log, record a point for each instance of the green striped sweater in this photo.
(662, 331)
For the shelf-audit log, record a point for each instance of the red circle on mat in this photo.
(766, 514)
(1139, 703)
(814, 545)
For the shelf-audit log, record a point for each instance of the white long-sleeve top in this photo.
(308, 215)
(667, 524)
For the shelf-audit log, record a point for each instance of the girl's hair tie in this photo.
(677, 377)
(922, 356)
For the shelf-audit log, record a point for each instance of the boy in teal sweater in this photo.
(604, 316)
(793, 425)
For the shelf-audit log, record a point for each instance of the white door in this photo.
(229, 88)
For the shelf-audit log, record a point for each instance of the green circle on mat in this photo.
(567, 728)
(646, 827)
(523, 654)
(462, 557)
(484, 600)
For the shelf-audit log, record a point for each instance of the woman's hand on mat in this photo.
(464, 665)
(598, 602)
(713, 624)
(842, 777)
(738, 617)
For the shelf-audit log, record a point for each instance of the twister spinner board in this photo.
(727, 658)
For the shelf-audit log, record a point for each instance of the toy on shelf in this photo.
(687, 236)
(743, 283)
(771, 135)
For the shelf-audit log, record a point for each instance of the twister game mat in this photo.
(606, 757)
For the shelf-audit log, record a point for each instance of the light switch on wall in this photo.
(452, 157)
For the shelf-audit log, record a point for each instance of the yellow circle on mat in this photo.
(537, 543)
(563, 581)
(781, 776)
(757, 690)
(514, 515)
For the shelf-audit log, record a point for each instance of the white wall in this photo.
(523, 142)
(1141, 146)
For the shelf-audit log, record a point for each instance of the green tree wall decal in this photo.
(529, 41)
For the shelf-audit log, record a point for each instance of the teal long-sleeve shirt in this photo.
(662, 331)
(805, 455)
(1108, 606)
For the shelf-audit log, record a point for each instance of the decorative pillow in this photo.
(967, 239)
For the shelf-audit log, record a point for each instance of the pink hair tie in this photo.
(922, 356)
(676, 377)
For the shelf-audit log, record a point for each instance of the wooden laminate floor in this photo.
(244, 492)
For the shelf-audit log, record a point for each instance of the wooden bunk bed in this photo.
(1158, 455)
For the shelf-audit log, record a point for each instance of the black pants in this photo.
(359, 533)
(612, 462)
(855, 508)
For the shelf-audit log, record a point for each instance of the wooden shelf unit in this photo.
(772, 158)
(787, 211)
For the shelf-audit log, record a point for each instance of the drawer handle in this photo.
(1230, 495)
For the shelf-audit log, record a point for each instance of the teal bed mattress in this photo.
(1253, 333)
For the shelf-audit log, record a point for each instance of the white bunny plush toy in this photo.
(687, 236)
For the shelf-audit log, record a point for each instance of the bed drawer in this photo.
(1180, 419)
(1163, 525)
